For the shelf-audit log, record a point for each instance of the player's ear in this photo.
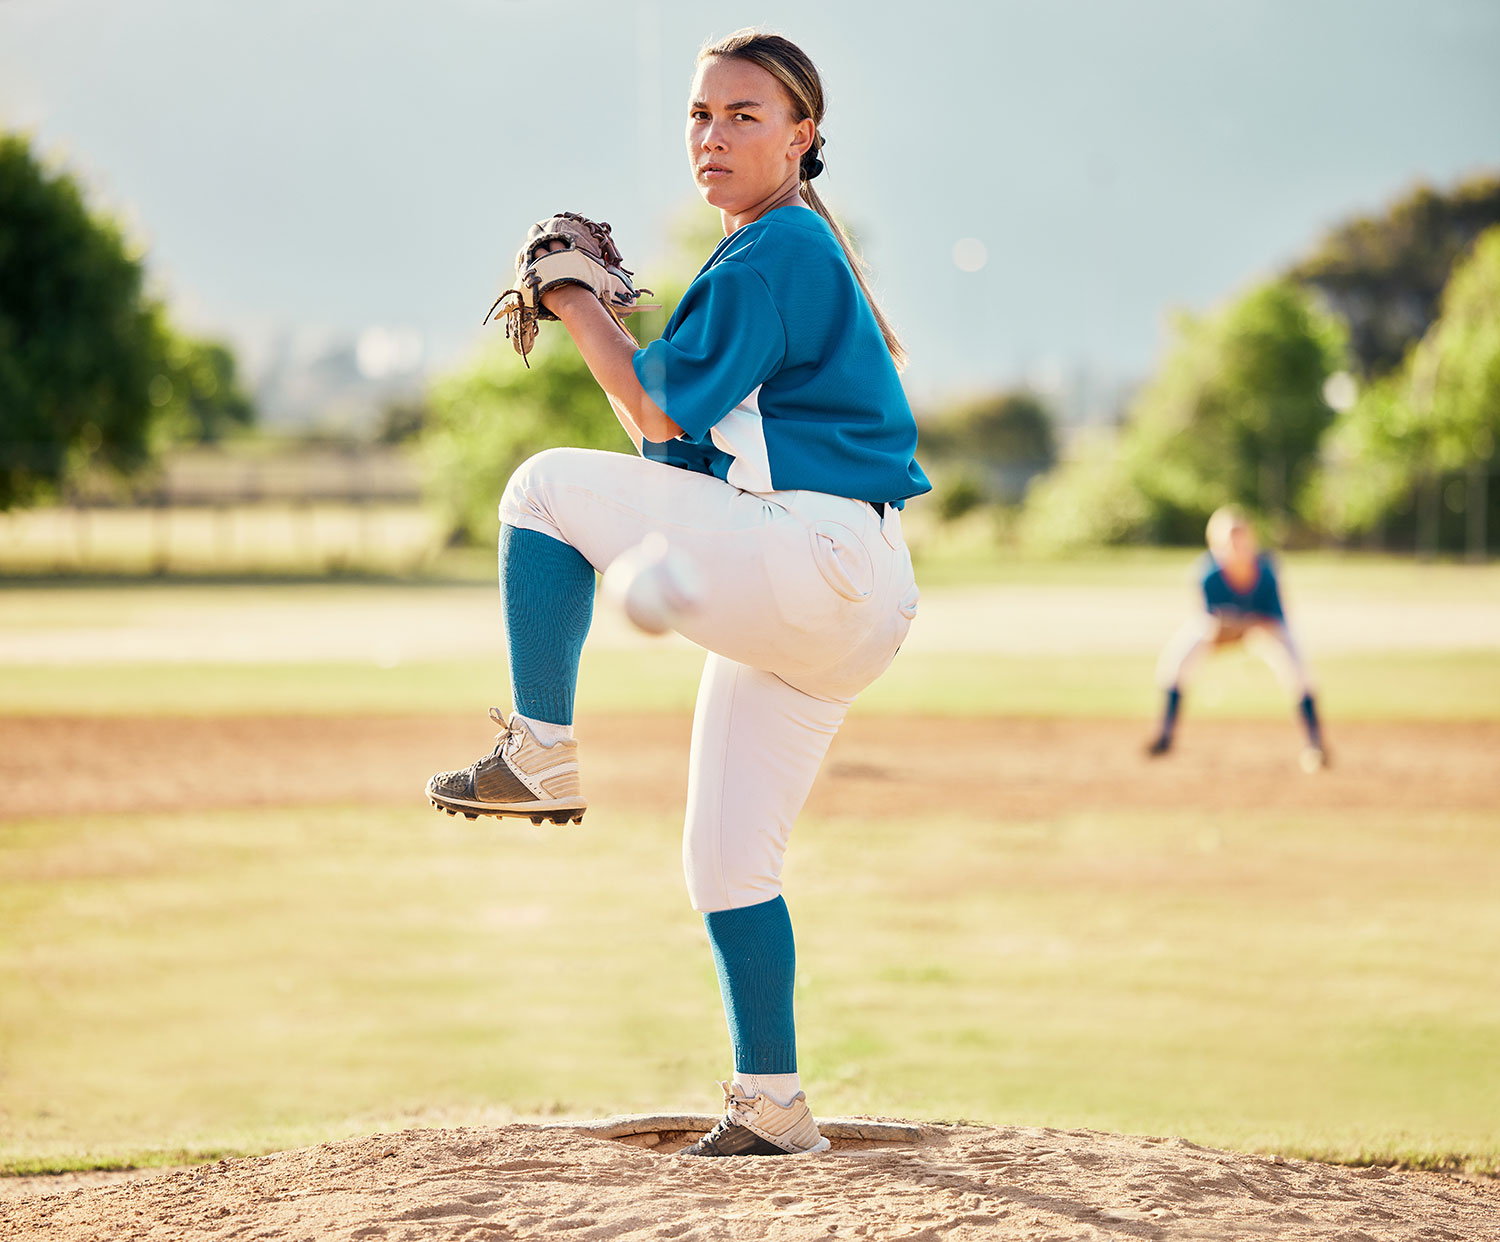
(802, 137)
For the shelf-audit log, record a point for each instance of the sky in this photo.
(321, 168)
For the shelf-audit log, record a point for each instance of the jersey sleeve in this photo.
(725, 339)
(684, 454)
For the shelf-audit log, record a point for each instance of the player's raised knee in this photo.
(524, 501)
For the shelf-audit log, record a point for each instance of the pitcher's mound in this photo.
(619, 1179)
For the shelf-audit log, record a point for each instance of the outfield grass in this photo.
(1450, 685)
(969, 554)
(181, 986)
(942, 559)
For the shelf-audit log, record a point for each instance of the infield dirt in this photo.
(878, 765)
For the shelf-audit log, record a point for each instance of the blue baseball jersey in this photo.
(775, 368)
(1263, 599)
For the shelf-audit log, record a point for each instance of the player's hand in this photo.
(556, 300)
(559, 252)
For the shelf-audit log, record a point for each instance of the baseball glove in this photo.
(587, 256)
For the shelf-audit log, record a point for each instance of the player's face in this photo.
(1242, 545)
(744, 143)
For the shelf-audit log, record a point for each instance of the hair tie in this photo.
(812, 164)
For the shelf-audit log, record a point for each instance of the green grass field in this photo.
(176, 986)
(183, 986)
(1461, 685)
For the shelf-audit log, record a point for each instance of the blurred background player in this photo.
(1241, 602)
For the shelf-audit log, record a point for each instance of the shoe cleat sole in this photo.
(565, 816)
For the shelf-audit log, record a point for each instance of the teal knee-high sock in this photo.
(1169, 713)
(1308, 710)
(757, 964)
(547, 588)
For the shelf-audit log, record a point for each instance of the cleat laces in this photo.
(726, 1123)
(733, 1101)
(736, 1106)
(507, 741)
(733, 1104)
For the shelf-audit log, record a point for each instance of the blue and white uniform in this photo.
(784, 494)
(1221, 598)
(1231, 613)
(775, 368)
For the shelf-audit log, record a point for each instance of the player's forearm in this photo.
(627, 423)
(609, 352)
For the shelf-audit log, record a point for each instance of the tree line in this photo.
(1332, 400)
(1357, 392)
(1335, 399)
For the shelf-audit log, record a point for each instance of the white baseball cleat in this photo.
(1313, 759)
(520, 778)
(759, 1126)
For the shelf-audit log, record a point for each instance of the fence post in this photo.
(82, 530)
(161, 530)
(1477, 503)
(359, 485)
(1429, 515)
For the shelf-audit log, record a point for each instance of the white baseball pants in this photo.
(1268, 638)
(806, 597)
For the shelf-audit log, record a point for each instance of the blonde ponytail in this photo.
(861, 271)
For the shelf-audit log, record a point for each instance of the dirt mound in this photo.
(940, 1182)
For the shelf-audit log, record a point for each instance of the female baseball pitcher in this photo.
(776, 451)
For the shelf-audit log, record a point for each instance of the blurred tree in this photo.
(957, 492)
(196, 394)
(1439, 415)
(1455, 371)
(1366, 471)
(1234, 414)
(402, 420)
(1384, 273)
(987, 449)
(79, 343)
(488, 418)
(91, 372)
(1089, 502)
(1001, 427)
